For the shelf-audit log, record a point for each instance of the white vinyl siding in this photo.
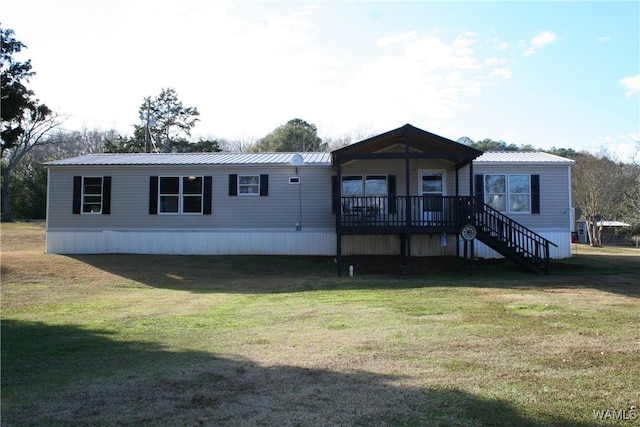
(130, 199)
(555, 193)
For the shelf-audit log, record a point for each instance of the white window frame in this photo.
(248, 185)
(510, 194)
(180, 195)
(363, 180)
(85, 195)
(380, 204)
(507, 192)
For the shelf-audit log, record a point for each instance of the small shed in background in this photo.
(610, 230)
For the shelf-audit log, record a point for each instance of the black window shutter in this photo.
(535, 194)
(264, 185)
(334, 194)
(391, 182)
(106, 195)
(206, 199)
(480, 190)
(77, 194)
(153, 195)
(233, 185)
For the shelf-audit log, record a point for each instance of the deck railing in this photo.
(404, 211)
(516, 236)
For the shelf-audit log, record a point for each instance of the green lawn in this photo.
(170, 340)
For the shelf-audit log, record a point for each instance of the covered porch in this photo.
(406, 181)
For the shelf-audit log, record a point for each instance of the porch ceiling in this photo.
(421, 144)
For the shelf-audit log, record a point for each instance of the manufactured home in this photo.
(405, 192)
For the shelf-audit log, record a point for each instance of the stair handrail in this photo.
(499, 225)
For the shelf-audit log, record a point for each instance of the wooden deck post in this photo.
(339, 254)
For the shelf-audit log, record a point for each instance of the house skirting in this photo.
(193, 242)
(318, 242)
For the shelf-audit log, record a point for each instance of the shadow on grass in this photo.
(273, 274)
(66, 375)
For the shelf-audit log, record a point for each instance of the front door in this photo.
(432, 187)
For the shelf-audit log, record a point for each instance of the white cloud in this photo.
(398, 38)
(494, 61)
(499, 44)
(622, 147)
(632, 83)
(250, 68)
(503, 72)
(427, 81)
(539, 40)
(604, 39)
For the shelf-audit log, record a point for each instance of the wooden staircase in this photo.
(512, 239)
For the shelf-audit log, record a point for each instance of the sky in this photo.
(549, 74)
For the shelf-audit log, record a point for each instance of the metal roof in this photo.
(317, 159)
(521, 158)
(221, 158)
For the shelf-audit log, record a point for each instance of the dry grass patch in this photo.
(161, 340)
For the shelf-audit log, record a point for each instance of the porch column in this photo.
(338, 216)
(407, 177)
(472, 192)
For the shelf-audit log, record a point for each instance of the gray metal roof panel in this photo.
(169, 159)
(522, 158)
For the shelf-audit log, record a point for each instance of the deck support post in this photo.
(339, 254)
(407, 254)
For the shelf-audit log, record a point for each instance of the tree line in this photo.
(603, 188)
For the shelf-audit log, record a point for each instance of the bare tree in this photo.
(599, 188)
(239, 145)
(35, 126)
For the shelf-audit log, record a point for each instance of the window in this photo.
(249, 184)
(369, 192)
(92, 194)
(432, 191)
(508, 193)
(180, 194)
(370, 185)
(352, 186)
(519, 193)
(192, 194)
(432, 183)
(375, 185)
(495, 189)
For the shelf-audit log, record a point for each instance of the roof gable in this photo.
(417, 142)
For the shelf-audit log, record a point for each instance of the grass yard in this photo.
(135, 340)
